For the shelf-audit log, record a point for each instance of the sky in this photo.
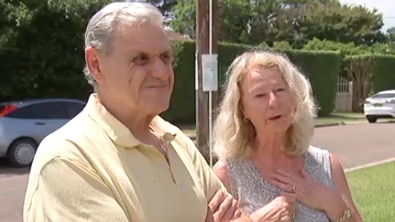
(386, 7)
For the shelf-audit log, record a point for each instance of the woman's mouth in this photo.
(273, 118)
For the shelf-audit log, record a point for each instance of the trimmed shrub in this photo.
(321, 67)
(383, 73)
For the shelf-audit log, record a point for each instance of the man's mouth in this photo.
(157, 86)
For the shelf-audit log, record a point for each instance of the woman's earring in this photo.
(246, 119)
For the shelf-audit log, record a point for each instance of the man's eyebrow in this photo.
(135, 52)
(139, 52)
(167, 51)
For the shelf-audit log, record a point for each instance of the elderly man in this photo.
(118, 160)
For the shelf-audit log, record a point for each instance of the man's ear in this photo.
(93, 64)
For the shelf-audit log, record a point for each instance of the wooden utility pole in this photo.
(203, 46)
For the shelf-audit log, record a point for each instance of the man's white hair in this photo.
(102, 25)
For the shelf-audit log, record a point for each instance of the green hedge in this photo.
(182, 107)
(227, 52)
(321, 67)
(383, 73)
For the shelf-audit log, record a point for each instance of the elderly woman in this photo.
(118, 160)
(262, 136)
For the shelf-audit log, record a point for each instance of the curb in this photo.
(376, 163)
(341, 123)
(329, 124)
(193, 137)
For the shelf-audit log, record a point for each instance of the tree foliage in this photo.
(293, 21)
(41, 46)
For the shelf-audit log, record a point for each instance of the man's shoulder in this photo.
(65, 141)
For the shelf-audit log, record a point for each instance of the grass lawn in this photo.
(373, 191)
(339, 118)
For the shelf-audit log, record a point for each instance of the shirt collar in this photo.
(117, 131)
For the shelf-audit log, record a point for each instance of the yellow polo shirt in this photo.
(94, 169)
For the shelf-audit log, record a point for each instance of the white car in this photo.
(380, 105)
(24, 124)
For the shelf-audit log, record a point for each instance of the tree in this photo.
(293, 21)
(165, 6)
(239, 19)
(184, 17)
(344, 23)
(42, 49)
(391, 34)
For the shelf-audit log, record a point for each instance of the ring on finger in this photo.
(293, 216)
(293, 188)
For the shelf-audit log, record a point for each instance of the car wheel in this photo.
(371, 119)
(21, 152)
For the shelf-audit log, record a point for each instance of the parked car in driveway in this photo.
(380, 105)
(24, 124)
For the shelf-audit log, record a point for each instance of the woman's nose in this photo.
(273, 100)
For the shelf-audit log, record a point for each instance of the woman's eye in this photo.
(280, 89)
(261, 95)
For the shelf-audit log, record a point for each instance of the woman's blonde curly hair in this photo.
(233, 136)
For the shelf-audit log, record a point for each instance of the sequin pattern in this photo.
(253, 192)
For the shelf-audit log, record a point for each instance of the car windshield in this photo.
(384, 96)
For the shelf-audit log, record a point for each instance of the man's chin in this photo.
(159, 107)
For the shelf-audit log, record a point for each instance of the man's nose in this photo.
(160, 69)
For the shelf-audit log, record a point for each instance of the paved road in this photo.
(358, 144)
(353, 144)
(12, 190)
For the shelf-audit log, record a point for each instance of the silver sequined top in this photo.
(253, 192)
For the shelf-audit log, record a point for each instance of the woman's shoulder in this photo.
(229, 166)
(315, 149)
(221, 167)
(318, 153)
(318, 157)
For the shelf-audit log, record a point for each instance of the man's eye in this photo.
(141, 60)
(166, 58)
